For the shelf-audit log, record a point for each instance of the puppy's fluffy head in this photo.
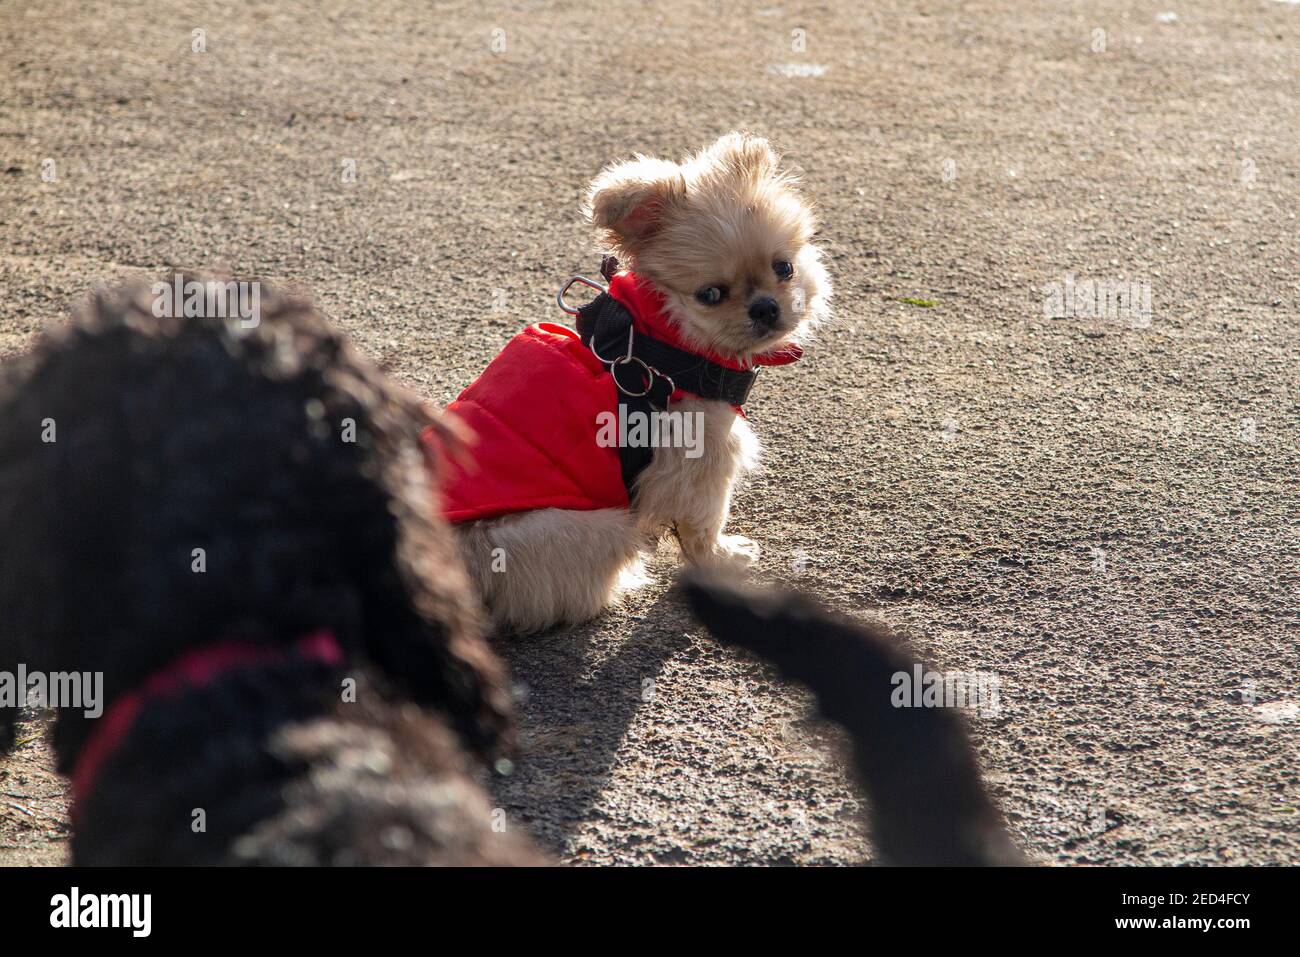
(725, 236)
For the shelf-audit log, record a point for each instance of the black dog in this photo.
(236, 528)
(928, 804)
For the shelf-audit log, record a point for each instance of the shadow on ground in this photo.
(578, 691)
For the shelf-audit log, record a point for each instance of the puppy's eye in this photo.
(784, 269)
(712, 295)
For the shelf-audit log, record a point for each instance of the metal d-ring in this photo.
(559, 296)
(649, 376)
(672, 386)
(609, 362)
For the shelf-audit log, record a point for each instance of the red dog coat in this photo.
(534, 413)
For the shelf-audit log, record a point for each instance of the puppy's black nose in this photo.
(765, 312)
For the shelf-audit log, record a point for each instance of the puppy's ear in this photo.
(746, 154)
(628, 202)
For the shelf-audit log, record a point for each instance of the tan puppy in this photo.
(726, 241)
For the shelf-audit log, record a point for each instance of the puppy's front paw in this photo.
(701, 547)
(736, 550)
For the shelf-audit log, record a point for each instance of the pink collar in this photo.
(650, 317)
(193, 669)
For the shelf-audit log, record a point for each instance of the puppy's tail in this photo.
(929, 806)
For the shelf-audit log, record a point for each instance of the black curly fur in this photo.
(928, 803)
(176, 434)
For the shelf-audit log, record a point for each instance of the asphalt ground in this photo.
(1100, 511)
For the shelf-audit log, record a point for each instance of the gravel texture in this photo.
(1101, 511)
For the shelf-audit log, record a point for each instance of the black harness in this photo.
(648, 371)
(653, 368)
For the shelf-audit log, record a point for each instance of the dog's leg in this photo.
(687, 486)
(706, 544)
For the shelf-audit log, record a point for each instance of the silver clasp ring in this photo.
(559, 296)
(609, 362)
(672, 387)
(649, 376)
